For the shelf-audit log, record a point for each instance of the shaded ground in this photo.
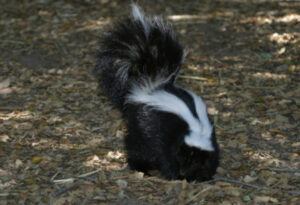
(61, 140)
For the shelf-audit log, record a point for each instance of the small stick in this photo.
(198, 194)
(70, 180)
(192, 77)
(89, 173)
(155, 179)
(230, 181)
(62, 181)
(53, 177)
(241, 183)
(12, 41)
(8, 194)
(65, 189)
(297, 193)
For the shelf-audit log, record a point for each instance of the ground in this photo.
(61, 141)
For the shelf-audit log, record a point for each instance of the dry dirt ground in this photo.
(61, 140)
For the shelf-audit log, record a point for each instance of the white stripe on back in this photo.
(200, 129)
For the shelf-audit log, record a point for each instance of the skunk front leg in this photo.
(169, 167)
(138, 164)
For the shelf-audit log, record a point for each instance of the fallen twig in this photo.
(63, 181)
(297, 193)
(192, 77)
(155, 179)
(72, 179)
(65, 189)
(8, 194)
(241, 183)
(231, 181)
(12, 41)
(89, 173)
(53, 177)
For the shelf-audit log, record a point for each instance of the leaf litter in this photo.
(61, 139)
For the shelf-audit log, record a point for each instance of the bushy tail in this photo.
(138, 50)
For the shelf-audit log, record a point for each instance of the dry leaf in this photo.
(18, 163)
(233, 191)
(296, 144)
(270, 181)
(36, 160)
(282, 119)
(4, 138)
(4, 83)
(122, 183)
(249, 179)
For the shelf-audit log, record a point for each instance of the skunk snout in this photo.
(197, 165)
(197, 172)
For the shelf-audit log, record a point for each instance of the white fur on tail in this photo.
(138, 15)
(200, 130)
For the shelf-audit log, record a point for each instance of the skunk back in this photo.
(136, 49)
(168, 126)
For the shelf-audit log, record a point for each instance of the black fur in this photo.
(155, 138)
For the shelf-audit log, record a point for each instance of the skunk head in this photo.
(196, 164)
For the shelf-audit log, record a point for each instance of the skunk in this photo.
(168, 126)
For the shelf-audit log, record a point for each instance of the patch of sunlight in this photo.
(289, 18)
(193, 67)
(268, 75)
(199, 17)
(94, 161)
(256, 121)
(68, 28)
(228, 102)
(93, 25)
(71, 146)
(281, 51)
(221, 94)
(184, 17)
(267, 159)
(264, 20)
(266, 135)
(261, 156)
(284, 38)
(212, 111)
(17, 115)
(198, 67)
(271, 19)
(112, 161)
(258, 20)
(226, 114)
(114, 155)
(5, 185)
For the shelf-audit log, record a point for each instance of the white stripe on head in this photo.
(138, 15)
(200, 130)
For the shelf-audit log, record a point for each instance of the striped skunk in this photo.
(168, 126)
